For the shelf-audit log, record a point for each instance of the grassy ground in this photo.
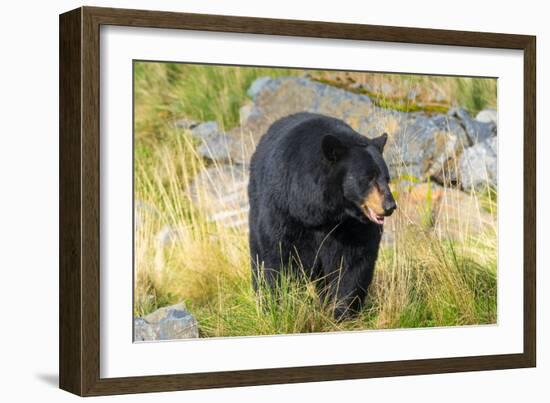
(423, 279)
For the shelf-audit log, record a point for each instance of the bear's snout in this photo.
(389, 205)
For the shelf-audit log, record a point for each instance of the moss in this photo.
(386, 102)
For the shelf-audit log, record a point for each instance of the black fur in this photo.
(309, 177)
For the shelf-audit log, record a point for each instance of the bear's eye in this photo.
(372, 175)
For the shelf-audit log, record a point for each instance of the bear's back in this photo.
(289, 155)
(294, 142)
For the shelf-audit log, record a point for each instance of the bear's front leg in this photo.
(348, 296)
(347, 286)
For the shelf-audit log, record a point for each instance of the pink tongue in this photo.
(376, 218)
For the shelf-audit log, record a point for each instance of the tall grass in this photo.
(166, 91)
(424, 278)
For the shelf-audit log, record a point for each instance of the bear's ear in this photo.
(333, 149)
(380, 142)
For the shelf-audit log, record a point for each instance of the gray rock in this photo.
(487, 116)
(477, 131)
(215, 145)
(257, 86)
(478, 165)
(143, 331)
(206, 130)
(287, 95)
(168, 323)
(178, 324)
(245, 111)
(218, 148)
(423, 146)
(418, 145)
(186, 124)
(222, 190)
(446, 173)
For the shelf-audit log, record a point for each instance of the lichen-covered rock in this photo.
(168, 323)
(478, 165)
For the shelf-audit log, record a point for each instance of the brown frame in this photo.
(79, 200)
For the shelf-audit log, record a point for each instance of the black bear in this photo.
(318, 196)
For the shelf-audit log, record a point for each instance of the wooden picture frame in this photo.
(79, 279)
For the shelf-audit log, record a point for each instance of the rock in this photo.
(222, 191)
(218, 148)
(257, 86)
(478, 165)
(448, 213)
(447, 172)
(215, 145)
(276, 98)
(143, 331)
(245, 111)
(487, 116)
(186, 124)
(421, 146)
(206, 130)
(477, 131)
(168, 323)
(425, 144)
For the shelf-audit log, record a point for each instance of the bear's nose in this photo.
(389, 207)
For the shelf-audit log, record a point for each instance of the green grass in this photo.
(168, 91)
(423, 279)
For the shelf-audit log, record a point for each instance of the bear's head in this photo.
(363, 176)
